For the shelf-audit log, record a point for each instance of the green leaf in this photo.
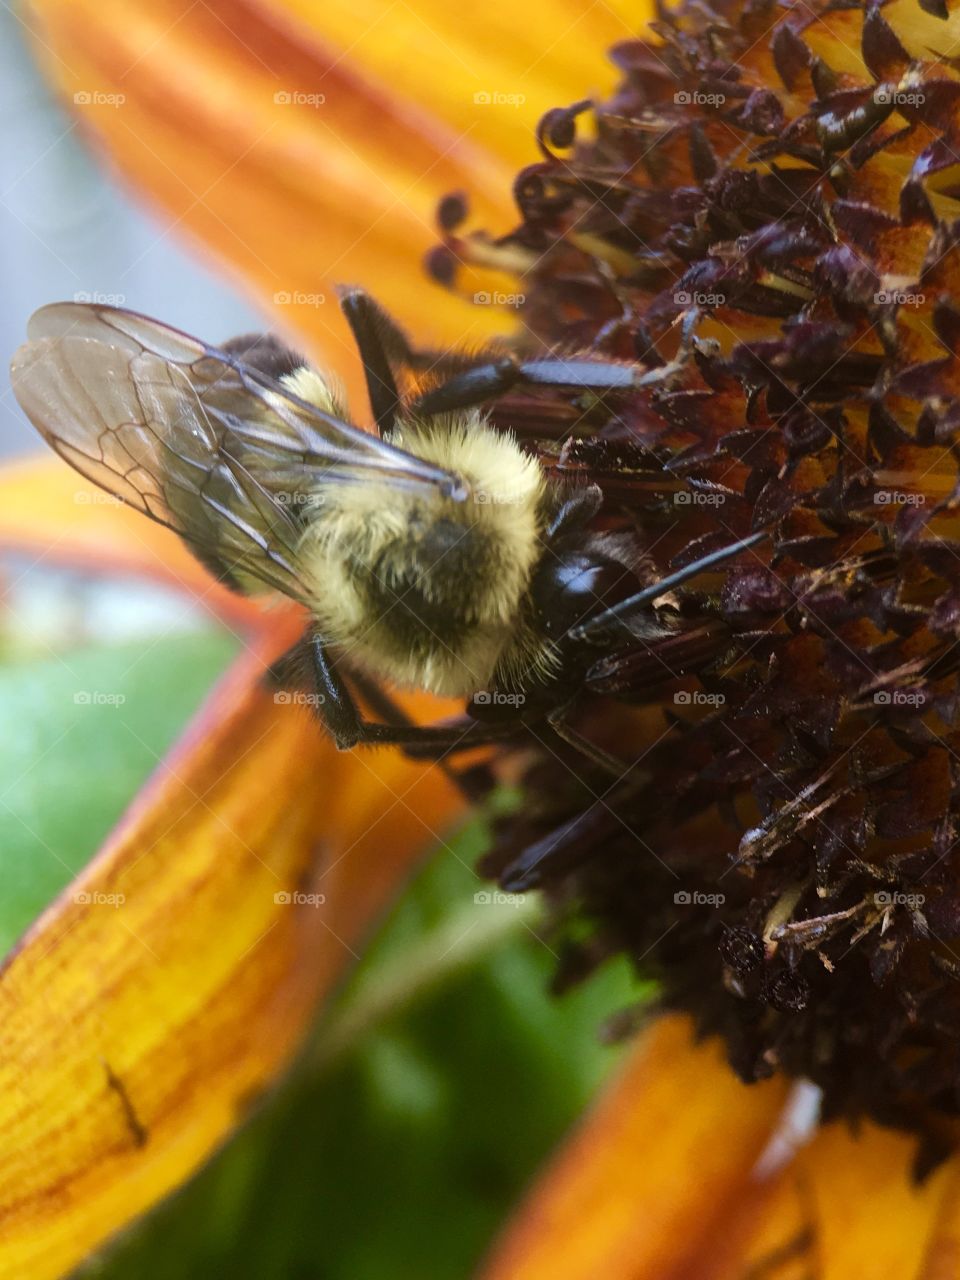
(434, 1090)
(83, 731)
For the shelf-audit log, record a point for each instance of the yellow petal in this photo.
(869, 1217)
(941, 1258)
(51, 513)
(847, 1205)
(213, 111)
(662, 1182)
(655, 1168)
(170, 984)
(549, 54)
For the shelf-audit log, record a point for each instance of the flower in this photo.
(763, 220)
(761, 217)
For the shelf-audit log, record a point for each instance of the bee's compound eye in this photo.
(569, 588)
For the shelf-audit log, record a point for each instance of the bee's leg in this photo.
(341, 716)
(383, 347)
(487, 380)
(603, 759)
(575, 511)
(475, 781)
(471, 387)
(379, 701)
(585, 375)
(372, 330)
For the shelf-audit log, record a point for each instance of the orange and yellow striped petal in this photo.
(148, 1007)
(653, 1169)
(550, 53)
(305, 144)
(661, 1182)
(51, 513)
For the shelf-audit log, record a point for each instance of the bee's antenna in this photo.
(617, 613)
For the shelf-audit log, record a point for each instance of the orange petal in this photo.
(174, 980)
(51, 513)
(847, 1205)
(207, 109)
(654, 1168)
(941, 1258)
(547, 55)
(868, 1217)
(662, 1182)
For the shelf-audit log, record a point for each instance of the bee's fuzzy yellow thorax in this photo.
(426, 589)
(499, 473)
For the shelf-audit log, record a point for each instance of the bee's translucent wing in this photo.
(192, 437)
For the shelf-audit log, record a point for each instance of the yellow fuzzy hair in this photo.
(366, 540)
(314, 387)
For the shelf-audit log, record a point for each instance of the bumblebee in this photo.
(436, 554)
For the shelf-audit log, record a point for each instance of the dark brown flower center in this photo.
(766, 211)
